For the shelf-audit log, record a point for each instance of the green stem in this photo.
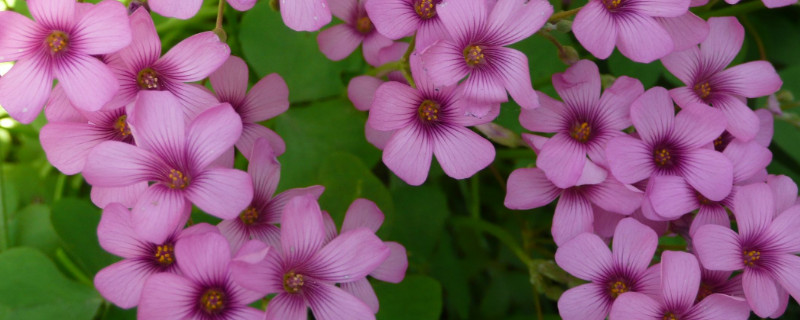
(709, 5)
(8, 8)
(59, 190)
(762, 51)
(499, 233)
(72, 268)
(515, 153)
(406, 69)
(5, 238)
(563, 15)
(218, 28)
(386, 68)
(736, 10)
(476, 197)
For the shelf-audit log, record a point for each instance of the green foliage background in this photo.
(470, 257)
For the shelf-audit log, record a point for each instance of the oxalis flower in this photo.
(204, 289)
(680, 282)
(122, 282)
(60, 44)
(429, 120)
(672, 145)
(478, 36)
(611, 273)
(765, 248)
(583, 124)
(264, 212)
(303, 271)
(630, 25)
(396, 19)
(708, 82)
(339, 41)
(178, 159)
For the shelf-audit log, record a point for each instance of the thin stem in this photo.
(709, 5)
(8, 8)
(406, 69)
(5, 239)
(386, 68)
(476, 197)
(563, 15)
(218, 29)
(73, 269)
(59, 190)
(552, 39)
(762, 51)
(537, 304)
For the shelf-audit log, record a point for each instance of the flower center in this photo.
(364, 25)
(704, 291)
(165, 254)
(670, 316)
(425, 9)
(662, 157)
(212, 301)
(292, 282)
(148, 79)
(703, 90)
(721, 142)
(702, 199)
(612, 4)
(177, 180)
(249, 216)
(57, 41)
(429, 111)
(473, 55)
(121, 126)
(750, 257)
(581, 132)
(617, 288)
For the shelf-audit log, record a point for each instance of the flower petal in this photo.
(684, 65)
(661, 8)
(159, 211)
(393, 269)
(103, 29)
(686, 30)
(194, 58)
(720, 306)
(613, 196)
(710, 214)
(52, 14)
(122, 282)
(158, 124)
(635, 306)
(221, 192)
(408, 154)
(305, 15)
(145, 46)
(328, 302)
(88, 82)
(67, 144)
(181, 9)
(461, 152)
(361, 91)
(752, 79)
(718, 248)
(268, 98)
(211, 134)
(579, 86)
(127, 195)
(573, 216)
(754, 207)
(203, 257)
(19, 36)
(680, 278)
(709, 172)
(585, 257)
(230, 81)
(286, 307)
(562, 159)
(168, 296)
(761, 292)
(615, 103)
(362, 290)
(516, 78)
(393, 18)
(784, 190)
(783, 233)
(634, 245)
(115, 232)
(513, 21)
(351, 255)
(242, 5)
(25, 88)
(444, 62)
(742, 121)
(697, 125)
(462, 18)
(671, 196)
(596, 29)
(529, 188)
(629, 159)
(748, 159)
(394, 106)
(362, 213)
(653, 114)
(584, 302)
(725, 38)
(339, 41)
(302, 229)
(118, 164)
(642, 39)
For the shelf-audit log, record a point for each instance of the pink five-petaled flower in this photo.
(477, 48)
(583, 123)
(611, 274)
(429, 120)
(204, 289)
(303, 270)
(264, 212)
(680, 282)
(60, 44)
(674, 145)
(339, 41)
(396, 19)
(708, 82)
(139, 67)
(529, 188)
(268, 98)
(363, 213)
(628, 24)
(765, 247)
(122, 282)
(178, 159)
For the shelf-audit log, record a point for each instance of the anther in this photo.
(703, 90)
(581, 132)
(428, 111)
(147, 79)
(292, 282)
(57, 41)
(212, 301)
(425, 9)
(473, 55)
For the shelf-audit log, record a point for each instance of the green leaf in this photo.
(417, 297)
(32, 288)
(75, 221)
(648, 74)
(421, 212)
(32, 227)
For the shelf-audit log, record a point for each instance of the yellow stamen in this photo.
(662, 157)
(177, 179)
(428, 111)
(364, 25)
(249, 216)
(750, 257)
(148, 79)
(612, 4)
(473, 55)
(121, 126)
(425, 9)
(165, 254)
(57, 41)
(703, 90)
(581, 132)
(617, 288)
(212, 301)
(292, 282)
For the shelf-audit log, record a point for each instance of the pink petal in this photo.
(181, 9)
(242, 5)
(685, 65)
(277, 204)
(584, 302)
(394, 106)
(572, 217)
(394, 19)
(483, 88)
(362, 290)
(635, 306)
(122, 282)
(264, 170)
(230, 81)
(145, 47)
(258, 267)
(159, 211)
(662, 8)
(103, 29)
(585, 257)
(752, 79)
(720, 306)
(127, 195)
(718, 248)
(444, 62)
(629, 159)
(203, 257)
(612, 195)
(88, 82)
(361, 91)
(165, 297)
(429, 32)
(642, 39)
(52, 14)
(686, 30)
(709, 172)
(59, 109)
(596, 29)
(754, 207)
(302, 229)
(783, 231)
(653, 114)
(221, 192)
(328, 302)
(685, 96)
(742, 121)
(671, 196)
(211, 134)
(787, 276)
(767, 129)
(393, 269)
(115, 232)
(25, 88)
(513, 21)
(725, 38)
(305, 15)
(362, 213)
(118, 164)
(698, 125)
(748, 159)
(339, 41)
(579, 86)
(462, 18)
(159, 124)
(351, 255)
(408, 154)
(778, 3)
(461, 152)
(548, 118)
(194, 58)
(372, 46)
(680, 278)
(286, 306)
(710, 214)
(529, 188)
(616, 101)
(634, 245)
(19, 36)
(761, 292)
(516, 78)
(67, 144)
(193, 98)
(562, 159)
(268, 98)
(784, 190)
(252, 132)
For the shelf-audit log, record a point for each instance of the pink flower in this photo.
(429, 120)
(708, 82)
(339, 41)
(122, 282)
(60, 44)
(672, 145)
(268, 98)
(305, 15)
(302, 270)
(611, 273)
(177, 158)
(765, 248)
(264, 212)
(630, 25)
(583, 124)
(396, 19)
(680, 281)
(478, 36)
(204, 289)
(140, 67)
